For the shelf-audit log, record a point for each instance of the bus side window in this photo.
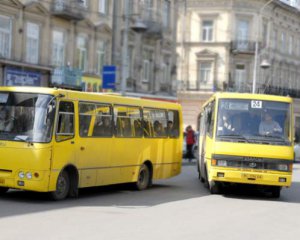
(173, 124)
(122, 122)
(211, 118)
(65, 125)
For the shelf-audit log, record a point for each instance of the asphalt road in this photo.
(177, 208)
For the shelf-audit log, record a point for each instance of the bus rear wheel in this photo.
(62, 187)
(3, 190)
(144, 178)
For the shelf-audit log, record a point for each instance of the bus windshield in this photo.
(26, 117)
(254, 121)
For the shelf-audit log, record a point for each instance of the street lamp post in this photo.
(124, 67)
(256, 45)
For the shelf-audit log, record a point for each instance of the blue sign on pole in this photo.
(109, 77)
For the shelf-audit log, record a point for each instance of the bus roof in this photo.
(90, 96)
(233, 95)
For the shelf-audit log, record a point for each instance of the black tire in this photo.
(144, 178)
(214, 187)
(275, 191)
(62, 187)
(3, 190)
(200, 177)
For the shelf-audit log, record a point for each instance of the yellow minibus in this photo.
(55, 140)
(246, 139)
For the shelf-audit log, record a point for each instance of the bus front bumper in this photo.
(251, 177)
(39, 183)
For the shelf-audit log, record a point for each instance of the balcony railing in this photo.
(245, 47)
(281, 91)
(69, 9)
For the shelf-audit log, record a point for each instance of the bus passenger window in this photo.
(65, 125)
(173, 124)
(157, 122)
(128, 121)
(103, 121)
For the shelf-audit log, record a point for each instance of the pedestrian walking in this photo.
(190, 141)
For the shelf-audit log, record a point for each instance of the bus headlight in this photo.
(222, 163)
(283, 167)
(21, 174)
(28, 175)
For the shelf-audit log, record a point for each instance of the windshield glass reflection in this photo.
(254, 120)
(26, 117)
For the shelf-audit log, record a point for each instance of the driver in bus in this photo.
(6, 121)
(268, 126)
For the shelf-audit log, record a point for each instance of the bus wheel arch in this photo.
(74, 180)
(144, 179)
(66, 184)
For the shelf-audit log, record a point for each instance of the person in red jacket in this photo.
(190, 141)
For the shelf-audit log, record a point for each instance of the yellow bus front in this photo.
(26, 126)
(251, 140)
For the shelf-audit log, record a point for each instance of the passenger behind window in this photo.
(158, 129)
(6, 121)
(171, 129)
(146, 128)
(103, 128)
(138, 128)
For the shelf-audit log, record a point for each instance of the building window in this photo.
(82, 53)
(58, 48)
(101, 46)
(166, 73)
(83, 2)
(291, 43)
(130, 6)
(146, 70)
(240, 77)
(103, 7)
(130, 61)
(32, 42)
(5, 37)
(275, 39)
(166, 13)
(243, 34)
(147, 66)
(207, 30)
(283, 42)
(148, 8)
(205, 72)
(265, 34)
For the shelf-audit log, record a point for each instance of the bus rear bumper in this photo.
(251, 177)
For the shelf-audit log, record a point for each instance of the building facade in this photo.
(216, 49)
(54, 39)
(150, 62)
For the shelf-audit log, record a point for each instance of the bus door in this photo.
(64, 146)
(206, 130)
(95, 143)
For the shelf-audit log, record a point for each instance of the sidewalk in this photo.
(185, 162)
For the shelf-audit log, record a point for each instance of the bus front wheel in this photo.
(143, 180)
(214, 187)
(3, 190)
(62, 187)
(275, 191)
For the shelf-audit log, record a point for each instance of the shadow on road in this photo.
(183, 187)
